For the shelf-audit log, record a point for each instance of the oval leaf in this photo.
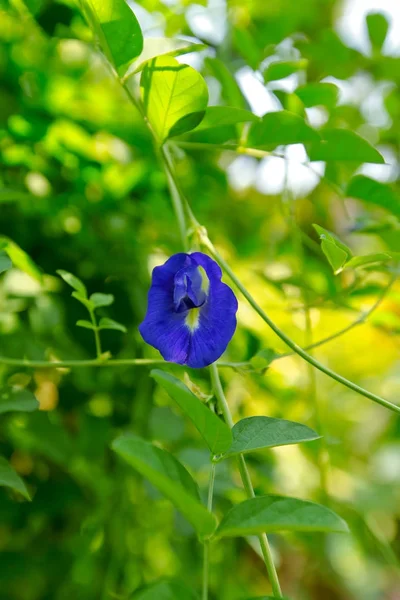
(256, 433)
(12, 399)
(111, 324)
(280, 128)
(73, 281)
(174, 96)
(375, 192)
(20, 259)
(9, 478)
(165, 590)
(218, 116)
(318, 94)
(117, 29)
(283, 68)
(154, 47)
(169, 476)
(215, 432)
(99, 299)
(267, 514)
(342, 144)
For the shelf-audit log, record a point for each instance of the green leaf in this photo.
(83, 300)
(378, 27)
(169, 476)
(342, 144)
(117, 29)
(5, 262)
(99, 299)
(268, 514)
(86, 324)
(280, 128)
(9, 478)
(375, 192)
(368, 259)
(318, 94)
(231, 91)
(13, 399)
(154, 47)
(20, 259)
(257, 433)
(283, 68)
(335, 251)
(215, 432)
(218, 116)
(174, 95)
(165, 590)
(74, 282)
(263, 359)
(111, 324)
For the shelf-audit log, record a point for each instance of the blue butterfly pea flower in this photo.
(191, 314)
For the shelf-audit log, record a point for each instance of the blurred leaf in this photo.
(257, 433)
(343, 144)
(13, 399)
(74, 282)
(117, 29)
(9, 478)
(231, 91)
(375, 192)
(165, 590)
(83, 300)
(86, 324)
(169, 476)
(335, 251)
(111, 324)
(280, 128)
(154, 47)
(263, 359)
(174, 95)
(367, 259)
(217, 116)
(268, 514)
(282, 69)
(5, 262)
(215, 432)
(318, 94)
(378, 27)
(99, 299)
(20, 259)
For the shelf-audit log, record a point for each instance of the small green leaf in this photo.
(117, 29)
(111, 324)
(283, 68)
(215, 432)
(83, 300)
(280, 128)
(268, 514)
(375, 192)
(378, 27)
(165, 590)
(230, 91)
(335, 251)
(257, 433)
(218, 116)
(99, 299)
(14, 399)
(174, 95)
(20, 259)
(5, 262)
(86, 324)
(74, 282)
(368, 259)
(263, 359)
(318, 94)
(9, 478)
(169, 476)
(342, 144)
(154, 47)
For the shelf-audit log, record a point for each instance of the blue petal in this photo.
(193, 336)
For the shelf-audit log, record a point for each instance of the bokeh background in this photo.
(81, 190)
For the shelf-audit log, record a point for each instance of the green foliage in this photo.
(174, 96)
(341, 144)
(10, 479)
(169, 476)
(280, 128)
(215, 432)
(165, 590)
(257, 433)
(266, 514)
(14, 399)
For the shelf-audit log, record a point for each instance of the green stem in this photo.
(206, 554)
(288, 341)
(247, 484)
(175, 196)
(96, 334)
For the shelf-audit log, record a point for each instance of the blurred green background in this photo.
(81, 190)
